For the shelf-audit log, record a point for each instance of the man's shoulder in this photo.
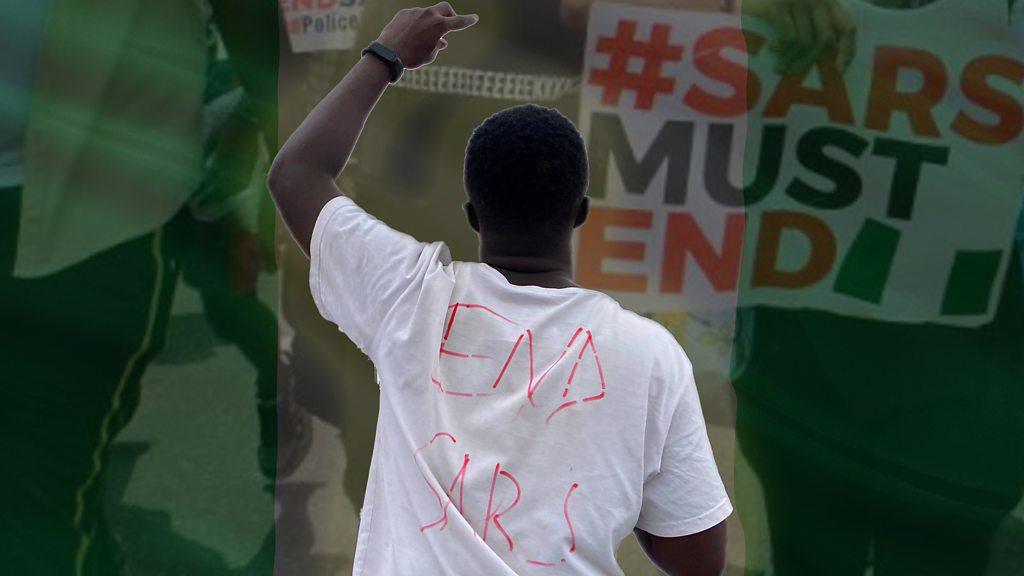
(651, 337)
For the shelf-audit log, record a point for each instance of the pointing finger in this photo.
(453, 23)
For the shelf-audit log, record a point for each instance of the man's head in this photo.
(526, 176)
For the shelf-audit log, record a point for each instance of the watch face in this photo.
(387, 52)
(390, 57)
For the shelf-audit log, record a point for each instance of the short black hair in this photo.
(526, 171)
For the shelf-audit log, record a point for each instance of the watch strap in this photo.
(388, 56)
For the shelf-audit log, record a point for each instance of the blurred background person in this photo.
(877, 446)
(101, 146)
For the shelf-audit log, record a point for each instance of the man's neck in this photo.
(548, 268)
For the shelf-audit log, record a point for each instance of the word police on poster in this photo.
(888, 191)
(316, 25)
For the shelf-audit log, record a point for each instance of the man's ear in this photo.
(583, 212)
(474, 222)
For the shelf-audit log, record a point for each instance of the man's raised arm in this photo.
(302, 177)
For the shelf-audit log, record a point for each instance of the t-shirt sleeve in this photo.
(684, 493)
(364, 274)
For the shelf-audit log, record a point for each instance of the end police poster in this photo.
(317, 25)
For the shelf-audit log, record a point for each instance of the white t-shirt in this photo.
(522, 430)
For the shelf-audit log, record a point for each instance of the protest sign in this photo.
(889, 191)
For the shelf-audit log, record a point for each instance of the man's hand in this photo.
(417, 34)
(302, 177)
(806, 29)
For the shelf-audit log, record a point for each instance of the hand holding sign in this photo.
(806, 29)
(417, 34)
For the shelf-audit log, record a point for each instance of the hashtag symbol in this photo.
(654, 54)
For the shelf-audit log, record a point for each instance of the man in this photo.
(526, 423)
(535, 43)
(515, 40)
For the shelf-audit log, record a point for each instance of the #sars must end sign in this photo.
(890, 190)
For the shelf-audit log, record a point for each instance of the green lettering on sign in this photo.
(866, 268)
(970, 282)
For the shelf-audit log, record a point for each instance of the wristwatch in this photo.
(387, 56)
